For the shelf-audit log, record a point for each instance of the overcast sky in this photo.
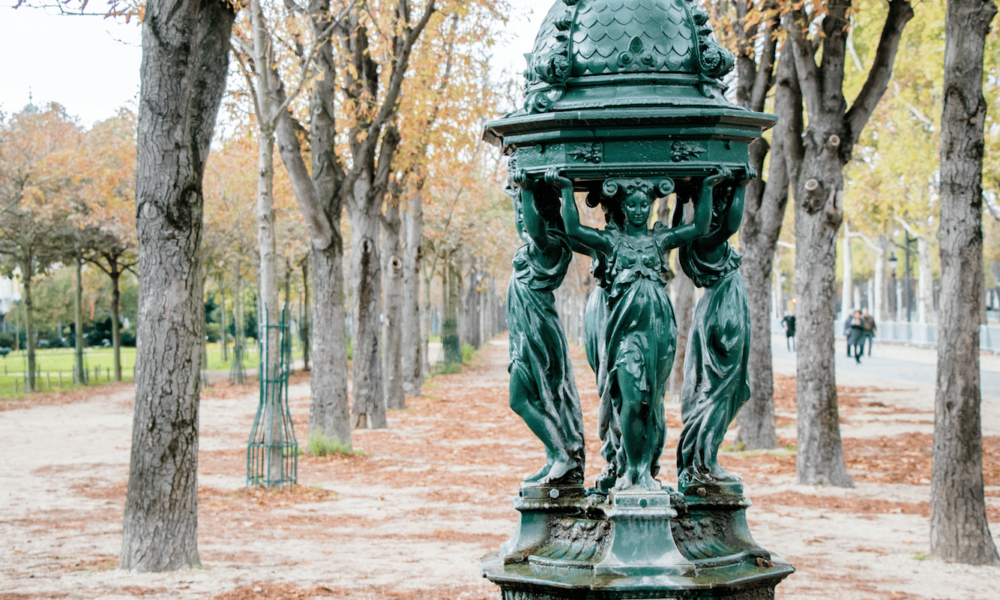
(90, 65)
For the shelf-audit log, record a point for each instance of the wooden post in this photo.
(48, 380)
(15, 387)
(60, 379)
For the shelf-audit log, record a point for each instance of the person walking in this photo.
(856, 336)
(789, 324)
(870, 328)
(847, 330)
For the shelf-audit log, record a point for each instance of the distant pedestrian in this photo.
(856, 337)
(870, 330)
(789, 324)
(847, 330)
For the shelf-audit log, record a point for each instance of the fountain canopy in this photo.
(627, 87)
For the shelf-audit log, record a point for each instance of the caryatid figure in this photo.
(641, 330)
(542, 385)
(716, 384)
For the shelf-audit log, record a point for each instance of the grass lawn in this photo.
(59, 361)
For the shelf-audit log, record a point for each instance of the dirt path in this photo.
(432, 494)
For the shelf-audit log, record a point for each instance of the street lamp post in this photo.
(893, 263)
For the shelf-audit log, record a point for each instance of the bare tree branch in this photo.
(900, 13)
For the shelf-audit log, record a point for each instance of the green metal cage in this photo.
(273, 451)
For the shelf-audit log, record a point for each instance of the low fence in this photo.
(917, 334)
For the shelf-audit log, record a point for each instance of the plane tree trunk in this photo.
(764, 210)
(412, 343)
(185, 48)
(959, 529)
(393, 271)
(817, 162)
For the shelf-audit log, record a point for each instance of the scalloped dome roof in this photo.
(655, 33)
(583, 38)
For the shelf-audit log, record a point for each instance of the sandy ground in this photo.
(411, 517)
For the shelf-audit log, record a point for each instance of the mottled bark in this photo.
(959, 529)
(392, 270)
(368, 406)
(328, 411)
(317, 191)
(763, 212)
(817, 162)
(184, 65)
(413, 374)
(268, 308)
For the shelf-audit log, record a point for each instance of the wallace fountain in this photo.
(625, 106)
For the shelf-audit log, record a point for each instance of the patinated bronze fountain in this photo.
(625, 103)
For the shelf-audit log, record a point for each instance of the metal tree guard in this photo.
(273, 451)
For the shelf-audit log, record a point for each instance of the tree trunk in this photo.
(183, 73)
(450, 285)
(225, 321)
(393, 269)
(847, 305)
(817, 160)
(925, 281)
(764, 211)
(116, 335)
(79, 372)
(368, 409)
(425, 320)
(959, 529)
(470, 309)
(306, 316)
(684, 304)
(29, 330)
(269, 312)
(329, 414)
(317, 191)
(879, 304)
(818, 214)
(413, 375)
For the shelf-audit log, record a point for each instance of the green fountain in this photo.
(625, 105)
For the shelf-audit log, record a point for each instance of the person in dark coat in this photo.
(870, 329)
(856, 336)
(789, 324)
(847, 331)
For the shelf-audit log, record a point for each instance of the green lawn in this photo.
(55, 362)
(62, 359)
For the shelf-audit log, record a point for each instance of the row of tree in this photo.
(66, 198)
(811, 57)
(374, 109)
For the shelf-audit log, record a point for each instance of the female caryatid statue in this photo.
(716, 384)
(542, 385)
(641, 331)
